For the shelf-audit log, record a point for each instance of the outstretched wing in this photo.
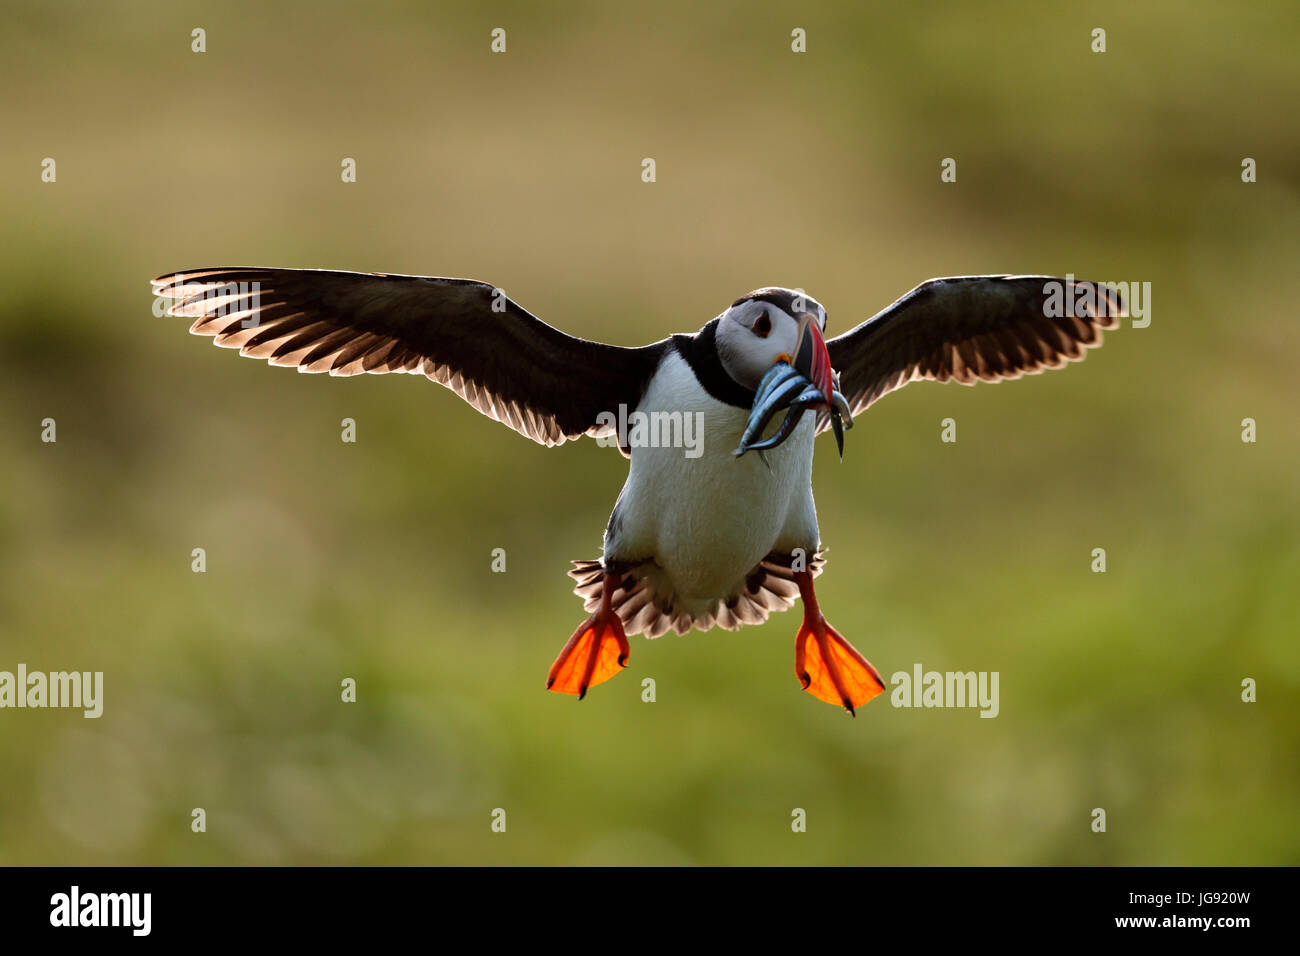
(970, 329)
(465, 335)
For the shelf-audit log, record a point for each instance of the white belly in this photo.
(708, 521)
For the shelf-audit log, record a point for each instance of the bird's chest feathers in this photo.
(700, 511)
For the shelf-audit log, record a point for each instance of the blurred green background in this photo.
(372, 560)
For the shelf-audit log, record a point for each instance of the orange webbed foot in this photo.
(596, 652)
(828, 666)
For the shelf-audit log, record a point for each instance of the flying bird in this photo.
(718, 538)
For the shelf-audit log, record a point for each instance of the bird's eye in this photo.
(763, 327)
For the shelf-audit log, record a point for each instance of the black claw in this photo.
(848, 705)
(550, 681)
(622, 660)
(582, 694)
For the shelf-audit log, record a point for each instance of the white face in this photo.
(753, 333)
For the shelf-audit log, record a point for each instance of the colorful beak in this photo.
(811, 357)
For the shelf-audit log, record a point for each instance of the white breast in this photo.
(708, 521)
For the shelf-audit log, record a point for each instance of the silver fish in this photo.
(781, 384)
(784, 387)
(811, 395)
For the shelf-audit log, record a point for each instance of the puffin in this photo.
(701, 537)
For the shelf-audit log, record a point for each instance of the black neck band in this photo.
(701, 353)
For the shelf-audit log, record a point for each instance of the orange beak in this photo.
(811, 357)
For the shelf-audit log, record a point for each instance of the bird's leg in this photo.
(597, 651)
(828, 666)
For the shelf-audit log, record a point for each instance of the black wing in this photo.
(465, 335)
(970, 329)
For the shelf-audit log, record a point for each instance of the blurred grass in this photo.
(372, 560)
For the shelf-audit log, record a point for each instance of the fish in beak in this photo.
(803, 383)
